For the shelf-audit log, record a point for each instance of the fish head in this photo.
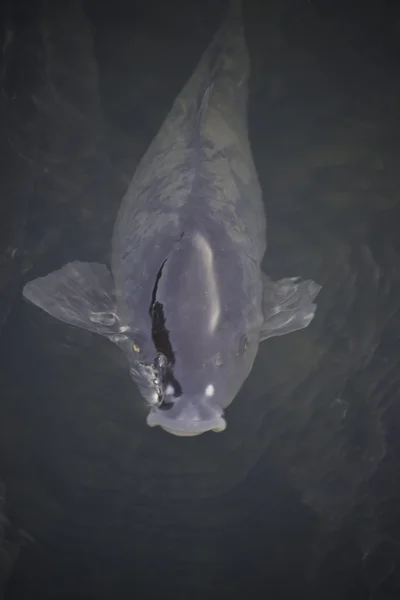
(194, 390)
(205, 321)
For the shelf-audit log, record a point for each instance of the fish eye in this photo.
(166, 401)
(243, 345)
(135, 347)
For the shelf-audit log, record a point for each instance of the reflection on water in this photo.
(304, 479)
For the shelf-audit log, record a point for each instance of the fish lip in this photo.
(190, 429)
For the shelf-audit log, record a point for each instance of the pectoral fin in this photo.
(81, 294)
(287, 305)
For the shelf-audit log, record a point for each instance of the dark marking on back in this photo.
(162, 343)
(159, 332)
(203, 106)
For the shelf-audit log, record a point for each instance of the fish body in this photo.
(186, 299)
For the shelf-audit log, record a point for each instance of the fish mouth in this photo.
(181, 433)
(182, 428)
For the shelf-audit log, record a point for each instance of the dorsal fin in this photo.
(204, 102)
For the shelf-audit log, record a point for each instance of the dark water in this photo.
(300, 496)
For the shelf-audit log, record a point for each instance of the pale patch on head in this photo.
(212, 290)
(209, 391)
